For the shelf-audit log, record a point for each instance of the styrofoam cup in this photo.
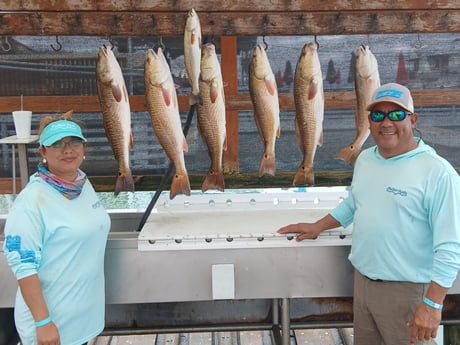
(22, 123)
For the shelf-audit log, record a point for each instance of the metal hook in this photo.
(316, 42)
(265, 25)
(58, 43)
(112, 45)
(265, 43)
(419, 44)
(7, 46)
(162, 45)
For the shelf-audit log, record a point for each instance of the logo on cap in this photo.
(389, 93)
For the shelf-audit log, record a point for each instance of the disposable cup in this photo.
(22, 123)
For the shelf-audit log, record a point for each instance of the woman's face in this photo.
(64, 157)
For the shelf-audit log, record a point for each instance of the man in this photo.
(404, 203)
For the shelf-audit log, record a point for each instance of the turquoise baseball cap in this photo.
(60, 129)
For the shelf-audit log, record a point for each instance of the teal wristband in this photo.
(43, 322)
(432, 304)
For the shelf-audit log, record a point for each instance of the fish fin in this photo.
(195, 99)
(214, 92)
(304, 176)
(313, 90)
(193, 38)
(224, 146)
(175, 101)
(278, 131)
(349, 153)
(184, 144)
(213, 181)
(271, 86)
(297, 133)
(267, 165)
(124, 183)
(320, 139)
(167, 97)
(180, 184)
(117, 92)
(131, 141)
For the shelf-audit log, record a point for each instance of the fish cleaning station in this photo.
(207, 167)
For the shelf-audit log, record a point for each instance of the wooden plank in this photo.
(229, 5)
(230, 78)
(90, 104)
(168, 24)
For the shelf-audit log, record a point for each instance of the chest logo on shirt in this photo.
(396, 191)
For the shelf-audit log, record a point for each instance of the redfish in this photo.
(367, 80)
(211, 116)
(192, 54)
(163, 107)
(309, 105)
(116, 114)
(264, 96)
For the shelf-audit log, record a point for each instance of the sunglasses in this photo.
(74, 143)
(394, 115)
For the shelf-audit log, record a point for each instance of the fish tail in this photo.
(195, 99)
(180, 184)
(304, 176)
(349, 153)
(213, 180)
(124, 183)
(267, 165)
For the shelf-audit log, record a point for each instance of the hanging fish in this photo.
(116, 114)
(309, 105)
(192, 54)
(163, 107)
(211, 116)
(264, 96)
(367, 80)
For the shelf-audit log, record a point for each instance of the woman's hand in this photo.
(48, 335)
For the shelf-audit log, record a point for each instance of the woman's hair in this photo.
(66, 116)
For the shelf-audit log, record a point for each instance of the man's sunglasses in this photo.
(394, 115)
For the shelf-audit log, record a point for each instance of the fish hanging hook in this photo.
(265, 25)
(419, 44)
(7, 46)
(58, 43)
(265, 43)
(316, 42)
(110, 39)
(162, 45)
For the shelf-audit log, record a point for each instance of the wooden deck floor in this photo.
(333, 336)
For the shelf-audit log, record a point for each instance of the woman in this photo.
(55, 237)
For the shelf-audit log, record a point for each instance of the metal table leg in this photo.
(285, 321)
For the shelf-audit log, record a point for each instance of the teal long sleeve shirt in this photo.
(63, 242)
(405, 212)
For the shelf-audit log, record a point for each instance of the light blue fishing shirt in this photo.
(63, 241)
(405, 212)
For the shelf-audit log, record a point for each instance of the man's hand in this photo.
(424, 324)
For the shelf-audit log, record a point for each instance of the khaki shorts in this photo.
(381, 310)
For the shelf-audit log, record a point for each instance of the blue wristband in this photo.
(432, 304)
(43, 322)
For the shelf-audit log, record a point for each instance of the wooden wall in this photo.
(226, 19)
